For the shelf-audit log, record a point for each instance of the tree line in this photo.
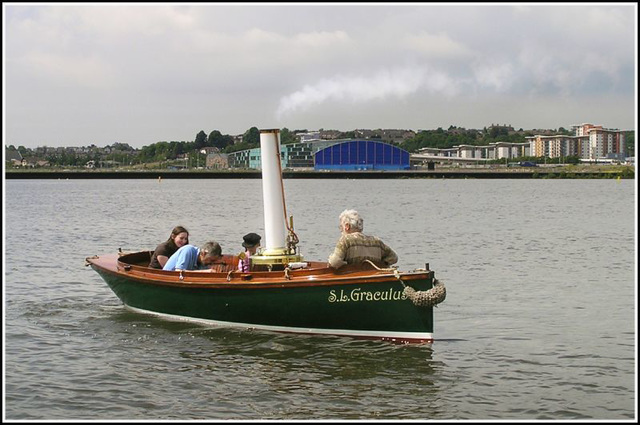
(163, 150)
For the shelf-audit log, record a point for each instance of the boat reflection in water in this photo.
(282, 292)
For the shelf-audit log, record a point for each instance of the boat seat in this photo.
(228, 263)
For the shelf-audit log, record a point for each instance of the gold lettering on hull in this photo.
(358, 295)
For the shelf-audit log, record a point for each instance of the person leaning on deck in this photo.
(190, 257)
(354, 247)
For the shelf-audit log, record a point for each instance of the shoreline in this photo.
(544, 173)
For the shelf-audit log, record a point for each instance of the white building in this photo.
(498, 150)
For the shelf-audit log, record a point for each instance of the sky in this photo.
(95, 73)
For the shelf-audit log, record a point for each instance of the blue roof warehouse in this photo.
(331, 155)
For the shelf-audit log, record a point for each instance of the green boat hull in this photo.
(357, 306)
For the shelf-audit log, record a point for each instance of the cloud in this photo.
(321, 39)
(173, 67)
(70, 71)
(435, 45)
(496, 76)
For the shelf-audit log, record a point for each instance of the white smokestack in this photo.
(272, 194)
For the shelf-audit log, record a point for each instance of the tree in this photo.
(252, 137)
(287, 137)
(201, 140)
(496, 131)
(121, 147)
(219, 140)
(629, 140)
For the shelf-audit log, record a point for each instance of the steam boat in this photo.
(282, 292)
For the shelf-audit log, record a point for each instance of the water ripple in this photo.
(531, 328)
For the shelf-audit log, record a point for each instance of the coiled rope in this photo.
(428, 298)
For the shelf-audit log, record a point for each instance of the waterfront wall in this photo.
(450, 173)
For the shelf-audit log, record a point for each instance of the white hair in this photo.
(353, 218)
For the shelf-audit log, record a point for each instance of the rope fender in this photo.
(428, 298)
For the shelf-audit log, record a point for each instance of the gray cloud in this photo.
(139, 74)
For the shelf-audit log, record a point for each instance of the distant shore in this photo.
(626, 172)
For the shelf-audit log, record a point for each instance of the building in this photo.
(470, 151)
(439, 152)
(301, 155)
(589, 142)
(33, 162)
(362, 155)
(329, 154)
(511, 150)
(217, 161)
(606, 143)
(292, 155)
(248, 158)
(558, 146)
(498, 150)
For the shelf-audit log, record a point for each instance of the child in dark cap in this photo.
(251, 244)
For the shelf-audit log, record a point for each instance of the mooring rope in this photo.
(390, 269)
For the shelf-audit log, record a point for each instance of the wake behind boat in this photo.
(282, 292)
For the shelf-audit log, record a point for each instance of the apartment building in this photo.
(589, 142)
(604, 143)
(558, 146)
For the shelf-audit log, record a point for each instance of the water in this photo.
(539, 321)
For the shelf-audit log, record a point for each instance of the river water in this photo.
(539, 322)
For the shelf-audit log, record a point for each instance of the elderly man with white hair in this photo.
(354, 247)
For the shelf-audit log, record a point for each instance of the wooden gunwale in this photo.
(316, 275)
